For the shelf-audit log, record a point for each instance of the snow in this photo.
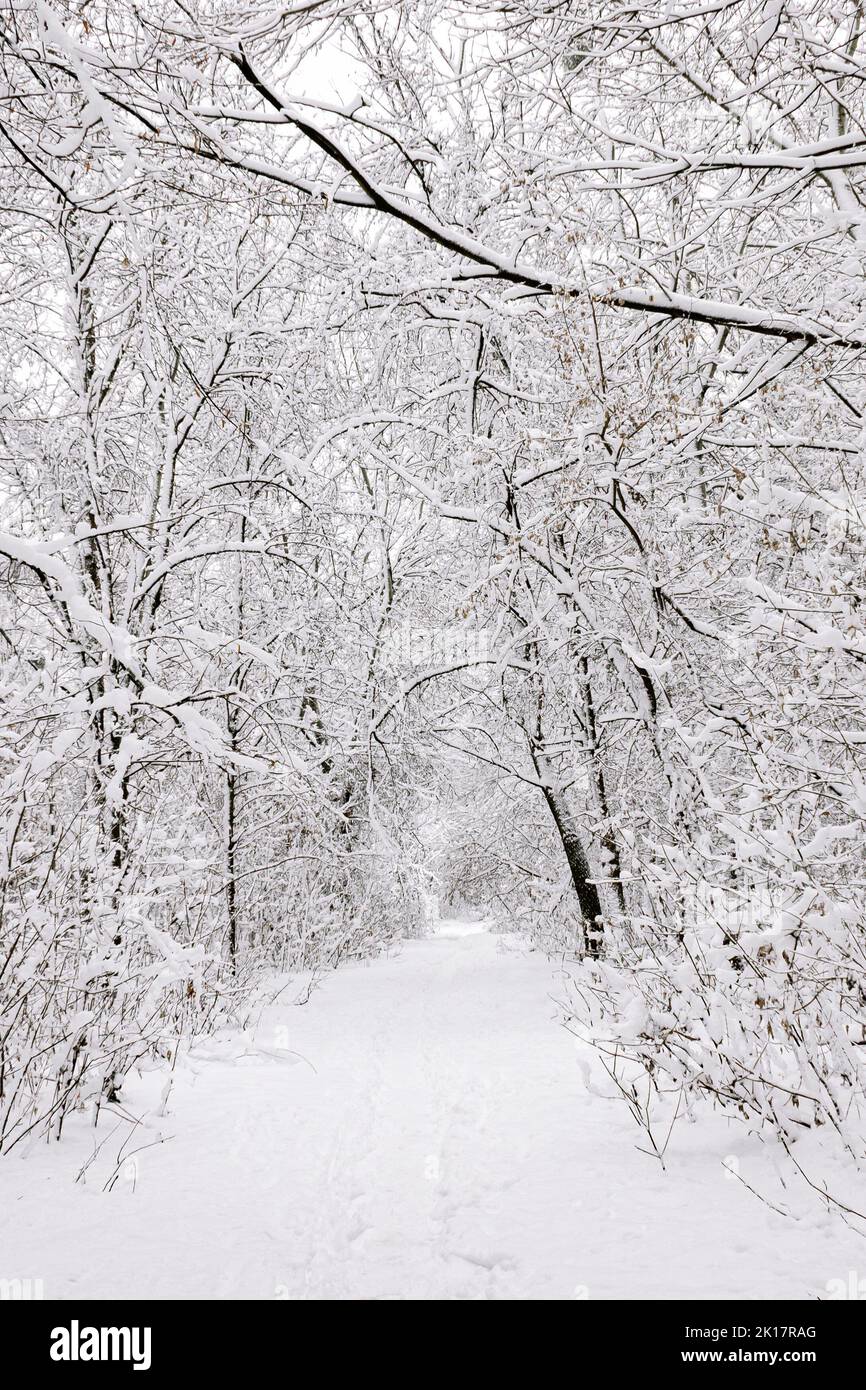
(421, 1129)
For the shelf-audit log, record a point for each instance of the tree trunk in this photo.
(610, 847)
(578, 864)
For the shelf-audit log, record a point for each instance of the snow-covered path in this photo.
(437, 1141)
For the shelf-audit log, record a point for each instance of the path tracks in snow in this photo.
(420, 1128)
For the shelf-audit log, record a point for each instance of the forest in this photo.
(431, 488)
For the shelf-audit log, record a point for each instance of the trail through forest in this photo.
(420, 1128)
(432, 470)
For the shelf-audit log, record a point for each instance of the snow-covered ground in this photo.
(419, 1129)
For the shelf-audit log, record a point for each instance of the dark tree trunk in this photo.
(610, 847)
(575, 854)
(578, 864)
(231, 868)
